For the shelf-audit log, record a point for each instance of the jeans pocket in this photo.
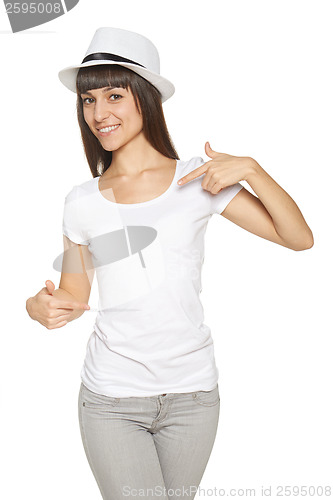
(97, 401)
(207, 398)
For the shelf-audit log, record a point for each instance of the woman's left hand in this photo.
(221, 171)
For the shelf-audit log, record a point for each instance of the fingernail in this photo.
(179, 182)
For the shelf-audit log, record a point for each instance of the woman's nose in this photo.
(101, 111)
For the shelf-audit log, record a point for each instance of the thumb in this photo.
(49, 286)
(209, 151)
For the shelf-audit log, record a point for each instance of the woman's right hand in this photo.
(51, 311)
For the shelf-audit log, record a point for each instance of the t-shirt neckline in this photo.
(143, 203)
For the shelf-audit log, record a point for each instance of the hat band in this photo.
(109, 57)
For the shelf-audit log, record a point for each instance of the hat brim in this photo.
(68, 76)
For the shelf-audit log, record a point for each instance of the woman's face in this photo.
(112, 116)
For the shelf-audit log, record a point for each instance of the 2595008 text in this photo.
(33, 8)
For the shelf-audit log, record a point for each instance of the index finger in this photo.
(192, 175)
(66, 304)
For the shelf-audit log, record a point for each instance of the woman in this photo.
(149, 399)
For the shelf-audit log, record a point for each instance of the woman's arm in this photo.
(273, 215)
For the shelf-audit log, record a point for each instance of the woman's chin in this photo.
(107, 147)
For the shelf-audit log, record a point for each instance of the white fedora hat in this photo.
(125, 48)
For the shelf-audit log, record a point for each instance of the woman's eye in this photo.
(84, 99)
(116, 96)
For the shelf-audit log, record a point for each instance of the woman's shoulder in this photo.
(83, 189)
(191, 164)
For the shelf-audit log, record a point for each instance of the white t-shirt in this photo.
(149, 337)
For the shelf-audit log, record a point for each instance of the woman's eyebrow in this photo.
(103, 91)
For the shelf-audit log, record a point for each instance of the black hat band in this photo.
(109, 57)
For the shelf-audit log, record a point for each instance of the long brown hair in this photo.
(147, 99)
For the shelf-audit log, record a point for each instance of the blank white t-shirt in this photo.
(149, 337)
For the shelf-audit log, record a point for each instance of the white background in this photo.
(254, 78)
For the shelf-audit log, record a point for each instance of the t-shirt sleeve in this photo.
(71, 226)
(220, 200)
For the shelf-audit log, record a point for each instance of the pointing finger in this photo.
(192, 175)
(72, 305)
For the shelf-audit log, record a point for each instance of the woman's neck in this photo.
(135, 157)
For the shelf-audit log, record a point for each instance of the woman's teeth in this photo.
(108, 129)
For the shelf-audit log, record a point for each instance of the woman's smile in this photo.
(106, 131)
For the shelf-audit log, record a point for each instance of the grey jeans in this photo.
(154, 447)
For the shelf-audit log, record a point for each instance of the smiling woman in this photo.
(149, 397)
